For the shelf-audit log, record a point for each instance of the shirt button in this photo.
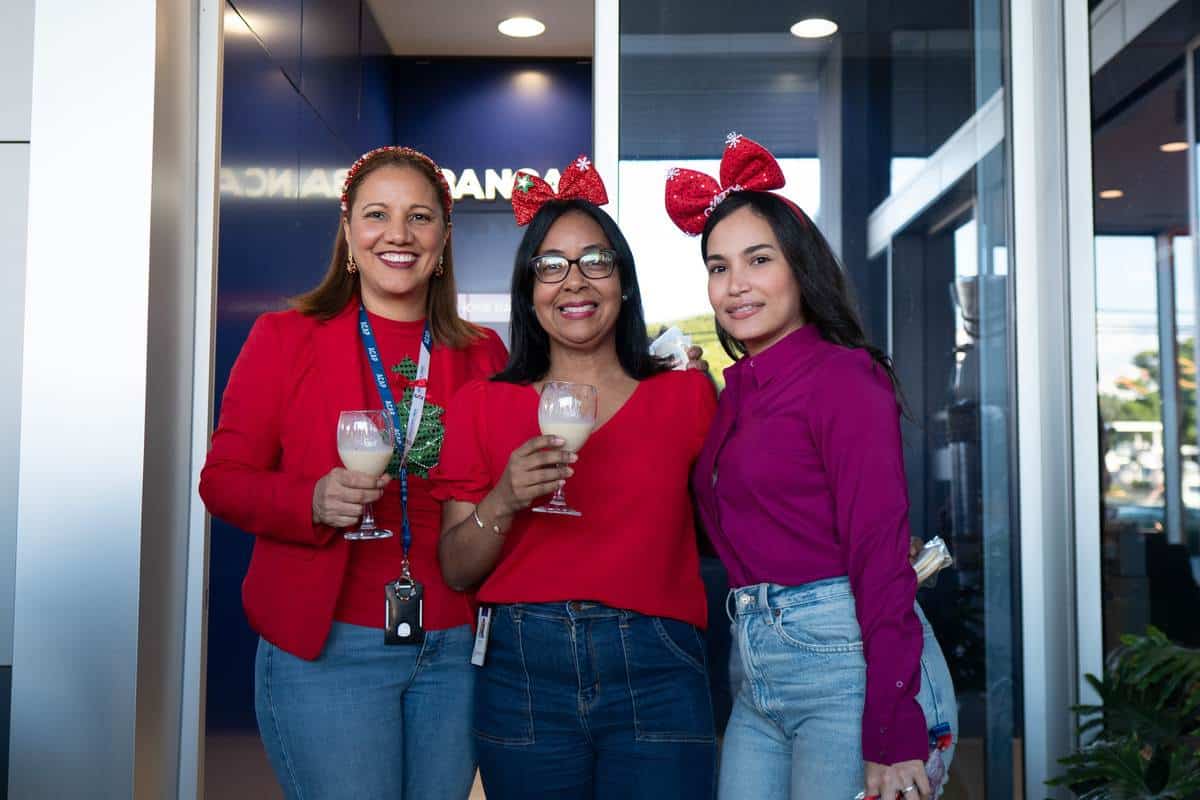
(899, 684)
(752, 362)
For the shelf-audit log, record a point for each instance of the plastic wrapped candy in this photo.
(933, 558)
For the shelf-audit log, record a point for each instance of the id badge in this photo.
(482, 630)
(405, 612)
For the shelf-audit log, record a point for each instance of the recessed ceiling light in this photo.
(814, 28)
(1173, 147)
(1111, 194)
(521, 27)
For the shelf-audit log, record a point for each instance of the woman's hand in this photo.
(534, 470)
(906, 780)
(338, 497)
(696, 359)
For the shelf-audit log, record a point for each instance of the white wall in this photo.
(16, 65)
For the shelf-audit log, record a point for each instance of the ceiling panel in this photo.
(468, 27)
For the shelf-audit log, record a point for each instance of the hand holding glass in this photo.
(566, 410)
(365, 442)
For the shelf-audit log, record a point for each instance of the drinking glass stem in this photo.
(560, 497)
(368, 518)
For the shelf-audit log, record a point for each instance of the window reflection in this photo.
(1146, 345)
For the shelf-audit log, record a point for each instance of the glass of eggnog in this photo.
(566, 410)
(365, 441)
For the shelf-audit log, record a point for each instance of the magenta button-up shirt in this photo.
(802, 478)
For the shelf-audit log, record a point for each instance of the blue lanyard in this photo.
(404, 440)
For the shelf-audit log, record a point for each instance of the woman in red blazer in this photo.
(341, 712)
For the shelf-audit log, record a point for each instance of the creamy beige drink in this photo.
(574, 433)
(369, 461)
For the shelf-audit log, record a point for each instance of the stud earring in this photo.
(351, 264)
(624, 297)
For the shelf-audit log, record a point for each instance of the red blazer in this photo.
(274, 441)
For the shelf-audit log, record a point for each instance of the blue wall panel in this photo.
(331, 72)
(491, 113)
(277, 24)
(376, 102)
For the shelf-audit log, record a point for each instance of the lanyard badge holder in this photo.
(404, 621)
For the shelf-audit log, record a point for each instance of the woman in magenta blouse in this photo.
(840, 684)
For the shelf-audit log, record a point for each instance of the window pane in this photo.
(856, 118)
(1145, 335)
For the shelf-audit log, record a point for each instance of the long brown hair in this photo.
(339, 286)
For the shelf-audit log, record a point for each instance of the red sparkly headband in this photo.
(579, 181)
(691, 196)
(407, 152)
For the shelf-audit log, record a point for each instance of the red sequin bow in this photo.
(579, 181)
(416, 155)
(693, 196)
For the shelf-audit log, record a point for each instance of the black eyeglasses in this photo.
(593, 264)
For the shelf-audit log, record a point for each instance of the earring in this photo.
(624, 297)
(440, 269)
(351, 264)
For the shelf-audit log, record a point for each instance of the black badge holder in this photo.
(405, 610)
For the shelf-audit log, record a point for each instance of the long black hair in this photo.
(826, 298)
(529, 358)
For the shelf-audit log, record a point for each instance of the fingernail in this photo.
(558, 440)
(570, 472)
(574, 457)
(562, 484)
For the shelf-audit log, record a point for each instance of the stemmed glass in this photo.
(567, 410)
(365, 442)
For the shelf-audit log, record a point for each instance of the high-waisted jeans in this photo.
(368, 720)
(580, 700)
(799, 680)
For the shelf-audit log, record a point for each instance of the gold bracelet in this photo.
(494, 528)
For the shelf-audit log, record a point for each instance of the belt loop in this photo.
(764, 605)
(731, 595)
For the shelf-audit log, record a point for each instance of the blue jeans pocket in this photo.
(503, 701)
(817, 632)
(668, 680)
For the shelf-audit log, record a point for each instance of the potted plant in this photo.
(1143, 741)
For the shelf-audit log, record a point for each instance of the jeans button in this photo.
(575, 606)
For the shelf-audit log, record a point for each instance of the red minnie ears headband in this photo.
(408, 152)
(579, 181)
(691, 196)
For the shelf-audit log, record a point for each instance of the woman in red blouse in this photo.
(341, 713)
(594, 680)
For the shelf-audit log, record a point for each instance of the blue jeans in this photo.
(800, 681)
(369, 720)
(579, 700)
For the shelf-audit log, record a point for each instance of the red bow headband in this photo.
(579, 181)
(408, 152)
(691, 196)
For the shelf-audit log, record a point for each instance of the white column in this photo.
(107, 401)
(1055, 350)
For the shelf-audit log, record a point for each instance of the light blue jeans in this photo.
(368, 720)
(799, 681)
